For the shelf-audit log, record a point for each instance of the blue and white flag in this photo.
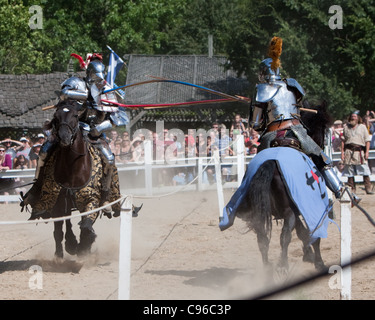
(115, 64)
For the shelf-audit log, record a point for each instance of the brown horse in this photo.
(72, 179)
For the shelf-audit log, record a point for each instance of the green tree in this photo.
(140, 26)
(200, 19)
(335, 65)
(21, 48)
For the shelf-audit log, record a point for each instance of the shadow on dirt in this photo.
(211, 278)
(65, 266)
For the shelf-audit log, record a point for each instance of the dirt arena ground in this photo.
(178, 252)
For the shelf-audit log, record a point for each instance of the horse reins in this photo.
(72, 130)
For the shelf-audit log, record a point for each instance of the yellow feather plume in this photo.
(274, 52)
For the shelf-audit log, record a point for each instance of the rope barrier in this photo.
(3, 223)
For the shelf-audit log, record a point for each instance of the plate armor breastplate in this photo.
(281, 102)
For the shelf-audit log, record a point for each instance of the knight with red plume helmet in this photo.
(95, 118)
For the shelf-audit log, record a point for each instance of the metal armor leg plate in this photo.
(333, 182)
(98, 129)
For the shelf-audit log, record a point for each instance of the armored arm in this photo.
(257, 116)
(74, 88)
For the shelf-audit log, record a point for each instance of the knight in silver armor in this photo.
(95, 118)
(277, 107)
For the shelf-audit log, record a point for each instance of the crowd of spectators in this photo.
(196, 143)
(18, 154)
(22, 153)
(169, 145)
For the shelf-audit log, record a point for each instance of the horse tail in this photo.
(259, 199)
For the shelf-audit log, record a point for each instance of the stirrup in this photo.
(354, 199)
(136, 210)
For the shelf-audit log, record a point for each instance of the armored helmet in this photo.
(269, 69)
(266, 73)
(95, 72)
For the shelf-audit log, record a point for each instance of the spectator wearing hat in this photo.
(24, 148)
(34, 155)
(355, 151)
(337, 130)
(40, 138)
(10, 147)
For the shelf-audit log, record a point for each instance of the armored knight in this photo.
(94, 120)
(276, 112)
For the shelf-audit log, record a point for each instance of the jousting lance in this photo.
(227, 96)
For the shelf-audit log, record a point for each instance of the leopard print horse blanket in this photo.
(84, 198)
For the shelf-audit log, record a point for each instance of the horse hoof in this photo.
(71, 247)
(308, 256)
(281, 273)
(321, 267)
(82, 253)
(87, 238)
(58, 259)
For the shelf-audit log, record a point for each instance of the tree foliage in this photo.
(336, 65)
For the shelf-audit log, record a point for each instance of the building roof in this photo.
(23, 96)
(199, 70)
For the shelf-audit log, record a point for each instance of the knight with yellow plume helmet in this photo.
(276, 114)
(276, 99)
(277, 109)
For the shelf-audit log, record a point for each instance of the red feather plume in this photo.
(80, 59)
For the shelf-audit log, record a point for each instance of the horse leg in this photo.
(285, 238)
(87, 236)
(259, 216)
(70, 239)
(263, 244)
(58, 234)
(304, 235)
(308, 254)
(318, 262)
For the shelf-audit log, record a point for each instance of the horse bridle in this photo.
(73, 130)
